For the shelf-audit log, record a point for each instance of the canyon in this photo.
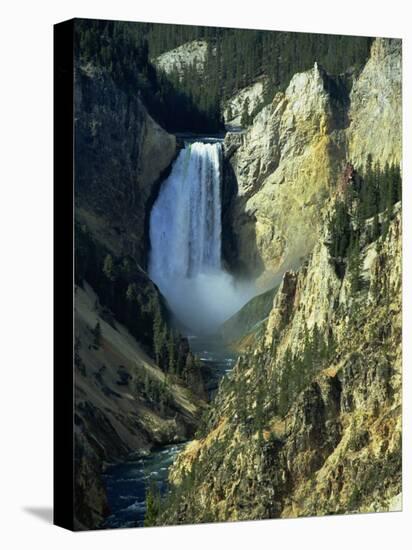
(259, 448)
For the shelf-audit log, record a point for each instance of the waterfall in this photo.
(185, 225)
(185, 238)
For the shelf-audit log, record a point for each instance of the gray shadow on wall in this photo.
(230, 244)
(43, 513)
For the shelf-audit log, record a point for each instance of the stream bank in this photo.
(126, 482)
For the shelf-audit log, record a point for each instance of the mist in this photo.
(203, 302)
(186, 248)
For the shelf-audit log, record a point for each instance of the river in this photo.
(126, 485)
(127, 481)
(186, 264)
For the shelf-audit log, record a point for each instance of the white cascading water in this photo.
(185, 237)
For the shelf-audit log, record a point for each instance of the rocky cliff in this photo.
(187, 56)
(286, 163)
(375, 112)
(121, 153)
(123, 403)
(248, 319)
(247, 99)
(303, 428)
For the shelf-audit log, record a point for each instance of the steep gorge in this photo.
(281, 178)
(309, 420)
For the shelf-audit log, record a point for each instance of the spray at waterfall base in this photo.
(186, 237)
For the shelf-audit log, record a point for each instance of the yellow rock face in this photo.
(290, 159)
(376, 106)
(337, 449)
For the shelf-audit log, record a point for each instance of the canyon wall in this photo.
(124, 403)
(234, 107)
(287, 162)
(289, 439)
(375, 112)
(121, 154)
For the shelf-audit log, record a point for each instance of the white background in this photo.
(26, 271)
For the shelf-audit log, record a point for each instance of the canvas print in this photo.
(238, 237)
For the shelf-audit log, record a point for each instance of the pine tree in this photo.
(166, 392)
(158, 336)
(229, 113)
(307, 360)
(146, 384)
(340, 229)
(245, 120)
(131, 292)
(259, 420)
(355, 267)
(240, 394)
(188, 368)
(171, 351)
(331, 345)
(286, 383)
(375, 227)
(318, 347)
(97, 334)
(153, 501)
(108, 268)
(397, 183)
